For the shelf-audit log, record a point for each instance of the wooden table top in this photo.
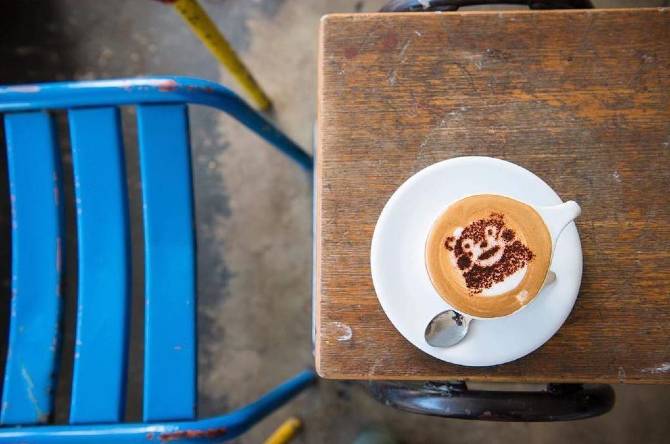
(581, 98)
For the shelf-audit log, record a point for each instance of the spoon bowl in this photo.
(447, 329)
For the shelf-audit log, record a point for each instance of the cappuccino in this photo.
(488, 255)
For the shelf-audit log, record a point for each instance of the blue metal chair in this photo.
(98, 385)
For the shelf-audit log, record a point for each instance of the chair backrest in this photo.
(103, 290)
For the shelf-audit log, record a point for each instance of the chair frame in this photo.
(86, 95)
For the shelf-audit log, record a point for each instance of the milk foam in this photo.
(505, 285)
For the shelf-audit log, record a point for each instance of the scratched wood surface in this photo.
(580, 98)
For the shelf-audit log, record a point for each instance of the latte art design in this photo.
(487, 252)
(488, 255)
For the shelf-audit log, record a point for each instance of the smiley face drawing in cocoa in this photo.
(487, 252)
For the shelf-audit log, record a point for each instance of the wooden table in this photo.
(581, 98)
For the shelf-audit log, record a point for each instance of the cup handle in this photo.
(558, 217)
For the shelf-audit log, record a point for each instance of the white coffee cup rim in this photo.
(555, 218)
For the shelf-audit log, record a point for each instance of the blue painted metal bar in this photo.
(170, 346)
(34, 182)
(98, 385)
(217, 429)
(149, 90)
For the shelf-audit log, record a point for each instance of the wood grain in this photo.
(581, 98)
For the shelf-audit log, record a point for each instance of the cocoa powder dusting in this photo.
(515, 257)
(490, 235)
(489, 253)
(463, 262)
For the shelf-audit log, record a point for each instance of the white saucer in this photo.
(404, 288)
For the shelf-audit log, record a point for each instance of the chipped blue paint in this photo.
(217, 429)
(98, 384)
(37, 221)
(149, 90)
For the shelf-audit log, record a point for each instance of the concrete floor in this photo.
(253, 210)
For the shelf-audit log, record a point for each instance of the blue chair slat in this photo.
(34, 181)
(98, 385)
(170, 343)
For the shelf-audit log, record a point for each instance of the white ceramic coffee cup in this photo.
(555, 218)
